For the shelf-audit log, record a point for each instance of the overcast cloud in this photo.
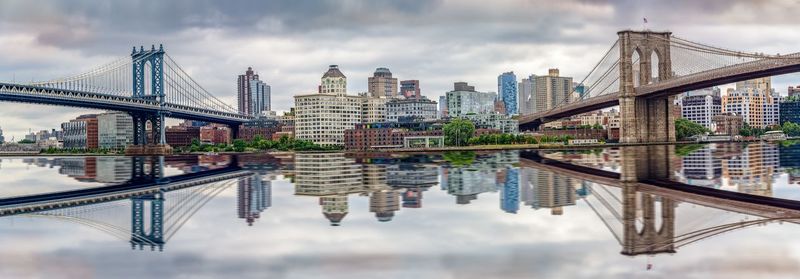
(290, 43)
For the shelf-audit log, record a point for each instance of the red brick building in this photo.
(215, 134)
(248, 133)
(182, 135)
(363, 138)
(579, 133)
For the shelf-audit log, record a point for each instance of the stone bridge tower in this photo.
(651, 119)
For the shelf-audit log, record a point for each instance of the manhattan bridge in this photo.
(148, 84)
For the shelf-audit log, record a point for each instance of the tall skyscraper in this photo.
(552, 90)
(410, 89)
(2, 139)
(382, 84)
(540, 93)
(254, 95)
(526, 101)
(507, 92)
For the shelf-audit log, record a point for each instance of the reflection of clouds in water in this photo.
(292, 239)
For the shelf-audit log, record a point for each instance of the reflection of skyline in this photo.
(254, 195)
(752, 171)
(387, 194)
(544, 189)
(702, 168)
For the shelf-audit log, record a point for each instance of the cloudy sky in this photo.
(290, 43)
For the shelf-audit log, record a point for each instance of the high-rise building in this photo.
(540, 93)
(465, 100)
(81, 132)
(552, 90)
(526, 101)
(254, 96)
(382, 84)
(322, 118)
(507, 92)
(410, 89)
(114, 130)
(2, 139)
(700, 106)
(755, 101)
(414, 109)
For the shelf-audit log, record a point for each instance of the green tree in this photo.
(791, 129)
(26, 141)
(685, 128)
(239, 145)
(458, 132)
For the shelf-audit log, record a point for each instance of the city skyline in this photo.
(54, 40)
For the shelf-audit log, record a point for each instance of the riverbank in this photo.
(524, 146)
(389, 150)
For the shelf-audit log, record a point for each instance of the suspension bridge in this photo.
(644, 70)
(158, 205)
(149, 85)
(638, 205)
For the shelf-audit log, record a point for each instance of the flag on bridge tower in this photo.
(645, 19)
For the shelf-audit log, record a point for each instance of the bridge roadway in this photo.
(766, 207)
(676, 85)
(62, 97)
(134, 188)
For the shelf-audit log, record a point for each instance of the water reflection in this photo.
(651, 200)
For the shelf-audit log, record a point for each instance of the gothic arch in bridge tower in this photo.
(644, 120)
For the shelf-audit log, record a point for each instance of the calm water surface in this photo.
(510, 214)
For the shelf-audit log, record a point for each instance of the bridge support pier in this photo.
(152, 143)
(647, 120)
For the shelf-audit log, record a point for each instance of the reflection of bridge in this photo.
(644, 70)
(158, 205)
(148, 85)
(639, 204)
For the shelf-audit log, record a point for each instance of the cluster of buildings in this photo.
(754, 102)
(386, 116)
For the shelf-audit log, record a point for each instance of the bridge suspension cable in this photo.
(181, 89)
(116, 79)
